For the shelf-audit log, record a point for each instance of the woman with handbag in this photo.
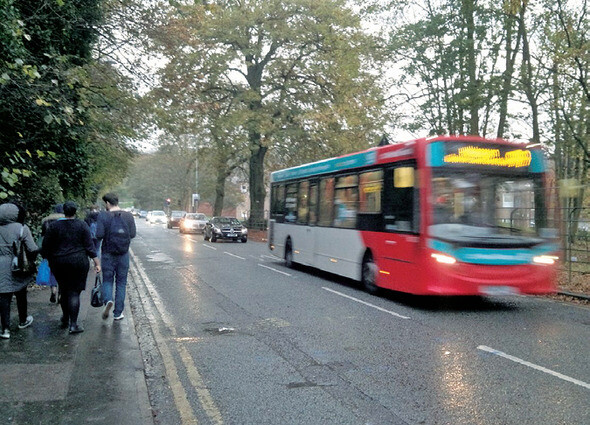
(11, 231)
(67, 245)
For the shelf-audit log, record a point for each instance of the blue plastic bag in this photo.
(43, 273)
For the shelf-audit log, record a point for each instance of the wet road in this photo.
(232, 336)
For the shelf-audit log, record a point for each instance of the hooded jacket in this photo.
(10, 232)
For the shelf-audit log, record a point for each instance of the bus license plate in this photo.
(498, 290)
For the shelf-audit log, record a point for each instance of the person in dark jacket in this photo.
(10, 231)
(58, 212)
(67, 245)
(115, 261)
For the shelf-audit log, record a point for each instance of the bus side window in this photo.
(291, 203)
(313, 203)
(303, 202)
(346, 200)
(326, 201)
(400, 212)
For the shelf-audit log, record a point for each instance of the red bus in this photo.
(448, 215)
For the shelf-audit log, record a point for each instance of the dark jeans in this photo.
(21, 305)
(114, 273)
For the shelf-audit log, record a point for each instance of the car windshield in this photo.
(177, 214)
(227, 221)
(158, 213)
(192, 216)
(473, 204)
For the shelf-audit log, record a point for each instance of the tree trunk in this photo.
(257, 189)
(219, 191)
(527, 80)
(468, 12)
(507, 77)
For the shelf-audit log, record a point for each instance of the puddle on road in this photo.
(160, 257)
(220, 331)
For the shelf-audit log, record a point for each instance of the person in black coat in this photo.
(67, 245)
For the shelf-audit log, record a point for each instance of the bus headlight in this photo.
(545, 259)
(443, 258)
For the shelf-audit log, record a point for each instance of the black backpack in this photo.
(118, 238)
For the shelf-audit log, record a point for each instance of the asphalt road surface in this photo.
(230, 335)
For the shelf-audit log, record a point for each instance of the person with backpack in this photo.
(11, 231)
(67, 245)
(115, 228)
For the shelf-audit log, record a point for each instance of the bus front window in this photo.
(503, 203)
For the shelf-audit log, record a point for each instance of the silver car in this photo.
(193, 223)
(158, 217)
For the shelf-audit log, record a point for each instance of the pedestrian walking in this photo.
(58, 212)
(67, 245)
(91, 219)
(115, 228)
(12, 230)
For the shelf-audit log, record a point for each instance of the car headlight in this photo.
(244, 231)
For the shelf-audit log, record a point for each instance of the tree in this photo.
(449, 58)
(291, 69)
(62, 134)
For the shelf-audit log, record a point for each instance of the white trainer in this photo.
(107, 310)
(27, 323)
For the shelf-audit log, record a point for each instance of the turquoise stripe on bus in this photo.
(537, 162)
(435, 153)
(328, 166)
(492, 256)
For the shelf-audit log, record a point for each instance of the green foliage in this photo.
(262, 75)
(65, 118)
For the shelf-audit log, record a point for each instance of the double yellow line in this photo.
(152, 305)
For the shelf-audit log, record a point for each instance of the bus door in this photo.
(399, 251)
(305, 237)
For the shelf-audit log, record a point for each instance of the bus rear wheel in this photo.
(369, 275)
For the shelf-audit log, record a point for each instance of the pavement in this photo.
(51, 377)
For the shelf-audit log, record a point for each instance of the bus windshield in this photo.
(480, 204)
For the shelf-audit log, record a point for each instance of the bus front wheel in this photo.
(369, 275)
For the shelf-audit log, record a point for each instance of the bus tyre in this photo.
(289, 256)
(369, 275)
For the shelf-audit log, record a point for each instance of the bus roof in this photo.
(373, 156)
(350, 161)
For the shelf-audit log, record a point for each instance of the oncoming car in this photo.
(158, 217)
(225, 228)
(193, 223)
(175, 218)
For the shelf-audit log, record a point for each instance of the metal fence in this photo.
(575, 235)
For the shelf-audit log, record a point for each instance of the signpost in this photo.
(195, 203)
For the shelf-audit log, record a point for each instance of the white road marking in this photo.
(210, 247)
(534, 366)
(366, 303)
(272, 257)
(233, 255)
(274, 270)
